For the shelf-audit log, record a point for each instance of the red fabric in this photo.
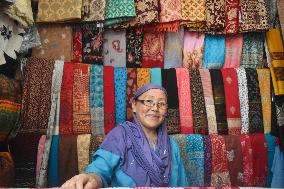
(230, 80)
(66, 100)
(247, 160)
(131, 89)
(77, 46)
(232, 16)
(153, 50)
(259, 152)
(109, 99)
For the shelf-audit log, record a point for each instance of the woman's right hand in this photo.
(83, 181)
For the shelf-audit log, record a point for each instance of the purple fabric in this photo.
(207, 160)
(146, 88)
(143, 165)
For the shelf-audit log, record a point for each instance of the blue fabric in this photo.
(120, 85)
(173, 49)
(195, 151)
(278, 169)
(53, 176)
(97, 99)
(214, 52)
(108, 166)
(156, 76)
(270, 141)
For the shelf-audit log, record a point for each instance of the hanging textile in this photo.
(255, 109)
(264, 87)
(235, 159)
(173, 49)
(83, 145)
(277, 168)
(109, 99)
(254, 15)
(131, 90)
(209, 101)
(7, 172)
(193, 44)
(215, 14)
(77, 46)
(92, 46)
(259, 154)
(153, 50)
(231, 91)
(272, 9)
(233, 51)
(271, 144)
(52, 176)
(94, 10)
(243, 97)
(24, 152)
(276, 50)
(114, 48)
(219, 100)
(184, 96)
(169, 82)
(170, 10)
(213, 59)
(200, 124)
(38, 74)
(10, 38)
(119, 11)
(248, 175)
(193, 13)
(279, 104)
(58, 11)
(134, 40)
(40, 149)
(120, 83)
(207, 160)
(56, 42)
(195, 151)
(280, 10)
(143, 77)
(95, 142)
(232, 10)
(97, 99)
(156, 76)
(252, 50)
(66, 100)
(81, 99)
(67, 155)
(220, 171)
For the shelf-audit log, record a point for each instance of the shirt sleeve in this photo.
(104, 163)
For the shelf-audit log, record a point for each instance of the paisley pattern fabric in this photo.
(143, 76)
(255, 109)
(95, 10)
(120, 83)
(252, 51)
(212, 59)
(134, 40)
(56, 42)
(153, 50)
(264, 87)
(173, 49)
(114, 48)
(232, 16)
(97, 99)
(233, 53)
(170, 10)
(185, 107)
(58, 11)
(193, 13)
(92, 46)
(81, 99)
(193, 49)
(200, 124)
(254, 15)
(131, 89)
(83, 145)
(243, 96)
(215, 14)
(209, 101)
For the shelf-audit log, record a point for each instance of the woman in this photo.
(138, 153)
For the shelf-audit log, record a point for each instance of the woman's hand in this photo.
(83, 181)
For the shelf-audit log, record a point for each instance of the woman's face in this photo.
(151, 117)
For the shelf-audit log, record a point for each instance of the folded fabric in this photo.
(94, 10)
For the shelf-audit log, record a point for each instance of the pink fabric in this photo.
(184, 95)
(209, 101)
(192, 49)
(233, 54)
(40, 153)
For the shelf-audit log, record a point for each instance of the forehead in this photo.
(154, 93)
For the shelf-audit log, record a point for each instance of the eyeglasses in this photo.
(151, 103)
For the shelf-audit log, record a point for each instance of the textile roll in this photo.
(134, 41)
(131, 89)
(233, 53)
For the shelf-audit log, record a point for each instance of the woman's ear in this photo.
(133, 103)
